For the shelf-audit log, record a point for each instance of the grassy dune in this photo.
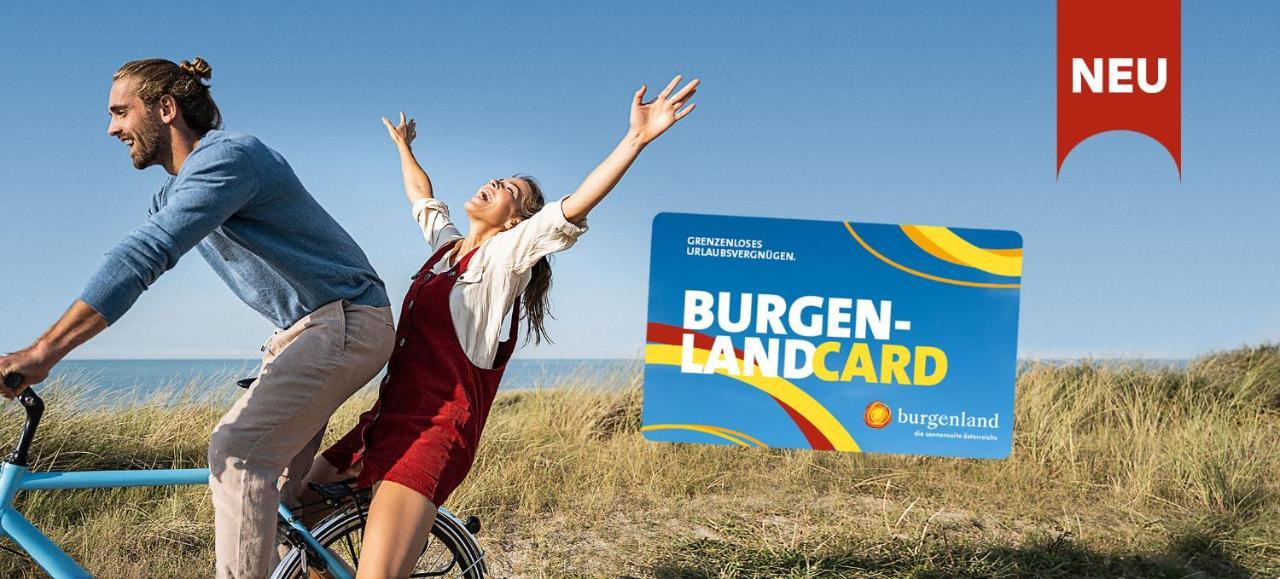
(1115, 472)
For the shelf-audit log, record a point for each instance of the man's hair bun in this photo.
(197, 68)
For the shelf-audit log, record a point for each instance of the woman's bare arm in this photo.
(648, 120)
(417, 185)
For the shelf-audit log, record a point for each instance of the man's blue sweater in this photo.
(256, 225)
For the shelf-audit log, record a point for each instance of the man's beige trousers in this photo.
(275, 429)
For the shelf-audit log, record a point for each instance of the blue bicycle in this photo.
(330, 548)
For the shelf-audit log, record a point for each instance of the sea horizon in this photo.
(121, 381)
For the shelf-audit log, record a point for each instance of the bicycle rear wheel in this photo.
(451, 550)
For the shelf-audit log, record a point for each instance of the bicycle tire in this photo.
(466, 559)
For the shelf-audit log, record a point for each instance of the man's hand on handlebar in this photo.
(12, 382)
(75, 327)
(30, 366)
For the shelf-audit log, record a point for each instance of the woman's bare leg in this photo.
(399, 523)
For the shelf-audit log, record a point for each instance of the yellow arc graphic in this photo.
(782, 389)
(922, 274)
(944, 244)
(734, 436)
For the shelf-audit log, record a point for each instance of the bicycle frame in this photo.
(15, 477)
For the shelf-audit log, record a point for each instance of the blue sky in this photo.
(895, 112)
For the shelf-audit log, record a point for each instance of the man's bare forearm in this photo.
(75, 327)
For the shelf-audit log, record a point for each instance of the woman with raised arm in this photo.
(418, 441)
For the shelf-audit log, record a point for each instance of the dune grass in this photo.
(1116, 471)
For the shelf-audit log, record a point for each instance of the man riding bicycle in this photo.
(241, 206)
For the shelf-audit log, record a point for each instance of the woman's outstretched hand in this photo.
(404, 133)
(648, 120)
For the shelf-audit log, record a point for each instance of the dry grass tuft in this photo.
(1116, 471)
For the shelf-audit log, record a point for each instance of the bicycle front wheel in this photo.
(451, 550)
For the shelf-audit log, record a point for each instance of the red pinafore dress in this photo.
(432, 405)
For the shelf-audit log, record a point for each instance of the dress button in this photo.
(401, 341)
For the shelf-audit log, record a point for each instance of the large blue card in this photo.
(832, 335)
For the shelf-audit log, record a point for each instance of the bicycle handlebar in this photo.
(35, 409)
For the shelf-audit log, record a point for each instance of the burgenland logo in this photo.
(877, 415)
(934, 420)
(1120, 68)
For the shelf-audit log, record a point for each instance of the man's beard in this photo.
(151, 139)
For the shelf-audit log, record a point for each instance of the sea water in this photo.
(122, 382)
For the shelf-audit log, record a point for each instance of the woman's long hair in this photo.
(537, 302)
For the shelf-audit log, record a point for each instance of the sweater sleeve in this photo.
(215, 183)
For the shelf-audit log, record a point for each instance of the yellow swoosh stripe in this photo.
(928, 246)
(919, 239)
(725, 433)
(922, 274)
(946, 245)
(782, 389)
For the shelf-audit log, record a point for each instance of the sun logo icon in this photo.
(877, 415)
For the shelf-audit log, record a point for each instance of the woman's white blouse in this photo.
(499, 271)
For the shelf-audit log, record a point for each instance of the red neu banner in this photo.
(1120, 68)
